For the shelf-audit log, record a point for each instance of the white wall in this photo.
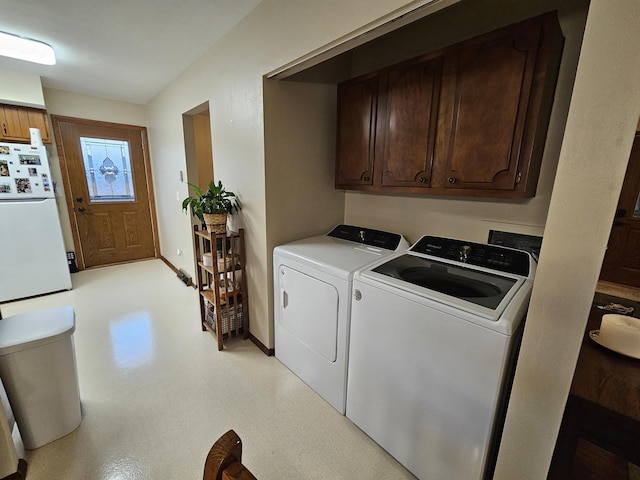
(69, 104)
(21, 89)
(300, 133)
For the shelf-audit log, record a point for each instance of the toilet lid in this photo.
(32, 329)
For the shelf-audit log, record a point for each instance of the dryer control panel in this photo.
(489, 256)
(367, 236)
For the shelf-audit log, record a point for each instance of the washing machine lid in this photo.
(478, 287)
(344, 250)
(474, 278)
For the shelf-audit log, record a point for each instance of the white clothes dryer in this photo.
(312, 288)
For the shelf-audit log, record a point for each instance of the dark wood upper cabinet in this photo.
(491, 98)
(408, 107)
(469, 120)
(15, 122)
(357, 107)
(386, 127)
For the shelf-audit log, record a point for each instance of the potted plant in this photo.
(212, 206)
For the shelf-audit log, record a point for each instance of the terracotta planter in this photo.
(216, 222)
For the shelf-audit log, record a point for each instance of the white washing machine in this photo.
(434, 336)
(312, 288)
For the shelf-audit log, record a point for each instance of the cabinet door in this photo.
(38, 119)
(15, 123)
(486, 90)
(409, 112)
(357, 108)
(10, 125)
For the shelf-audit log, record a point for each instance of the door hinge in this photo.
(518, 177)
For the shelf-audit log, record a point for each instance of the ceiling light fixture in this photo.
(26, 49)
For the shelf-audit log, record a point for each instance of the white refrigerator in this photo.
(33, 260)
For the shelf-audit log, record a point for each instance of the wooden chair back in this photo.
(224, 461)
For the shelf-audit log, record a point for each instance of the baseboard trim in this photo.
(175, 270)
(269, 352)
(20, 474)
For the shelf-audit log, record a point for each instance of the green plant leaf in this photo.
(215, 200)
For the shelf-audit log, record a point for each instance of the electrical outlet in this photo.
(179, 252)
(177, 195)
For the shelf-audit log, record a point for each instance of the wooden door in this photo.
(409, 108)
(357, 107)
(107, 178)
(622, 260)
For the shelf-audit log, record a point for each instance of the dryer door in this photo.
(309, 311)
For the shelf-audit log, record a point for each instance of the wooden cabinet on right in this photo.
(469, 120)
(15, 122)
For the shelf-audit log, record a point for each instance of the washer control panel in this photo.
(367, 236)
(489, 256)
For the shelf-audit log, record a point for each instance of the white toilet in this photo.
(38, 369)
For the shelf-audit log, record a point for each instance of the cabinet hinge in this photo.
(518, 177)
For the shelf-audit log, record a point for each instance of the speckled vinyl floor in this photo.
(156, 393)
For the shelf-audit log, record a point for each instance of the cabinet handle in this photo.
(452, 180)
(366, 179)
(4, 128)
(422, 180)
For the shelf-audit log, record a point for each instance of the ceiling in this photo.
(126, 51)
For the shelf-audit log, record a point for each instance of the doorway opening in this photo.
(196, 125)
(197, 143)
(621, 266)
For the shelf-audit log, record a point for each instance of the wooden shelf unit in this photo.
(224, 304)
